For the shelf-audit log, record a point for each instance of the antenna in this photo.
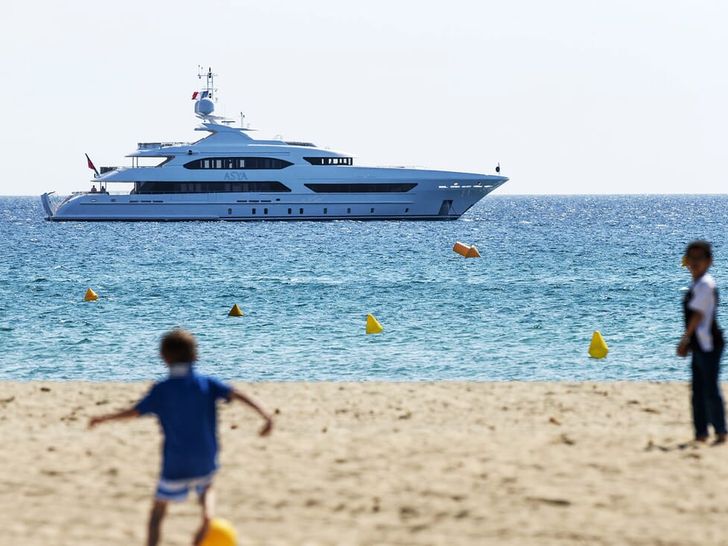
(242, 120)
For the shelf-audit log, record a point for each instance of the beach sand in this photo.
(376, 463)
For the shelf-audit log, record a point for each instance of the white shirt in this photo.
(703, 301)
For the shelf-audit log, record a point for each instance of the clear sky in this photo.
(571, 96)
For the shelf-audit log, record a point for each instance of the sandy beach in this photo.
(376, 463)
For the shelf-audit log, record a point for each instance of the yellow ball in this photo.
(220, 533)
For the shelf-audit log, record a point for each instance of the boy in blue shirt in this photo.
(185, 404)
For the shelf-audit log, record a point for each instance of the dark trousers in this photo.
(707, 400)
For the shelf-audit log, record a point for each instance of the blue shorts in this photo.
(177, 490)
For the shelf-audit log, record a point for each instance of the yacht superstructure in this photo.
(228, 175)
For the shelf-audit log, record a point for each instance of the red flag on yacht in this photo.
(194, 95)
(91, 164)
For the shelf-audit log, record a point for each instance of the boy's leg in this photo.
(207, 503)
(716, 411)
(700, 419)
(159, 509)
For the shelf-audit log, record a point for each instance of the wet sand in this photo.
(376, 463)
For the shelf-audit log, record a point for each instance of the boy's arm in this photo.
(123, 414)
(695, 320)
(268, 426)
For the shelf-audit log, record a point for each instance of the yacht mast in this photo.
(209, 81)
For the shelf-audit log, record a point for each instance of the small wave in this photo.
(312, 280)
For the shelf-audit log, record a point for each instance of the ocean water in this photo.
(554, 269)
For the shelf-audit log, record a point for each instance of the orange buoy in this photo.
(466, 250)
(473, 252)
(461, 248)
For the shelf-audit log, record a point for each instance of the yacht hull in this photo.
(439, 202)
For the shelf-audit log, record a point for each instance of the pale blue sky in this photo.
(571, 96)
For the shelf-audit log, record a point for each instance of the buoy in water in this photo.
(90, 295)
(598, 347)
(235, 311)
(473, 252)
(466, 250)
(460, 248)
(373, 325)
(220, 533)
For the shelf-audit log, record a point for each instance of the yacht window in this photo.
(326, 211)
(348, 211)
(329, 160)
(364, 187)
(210, 187)
(289, 211)
(253, 211)
(265, 211)
(229, 163)
(300, 211)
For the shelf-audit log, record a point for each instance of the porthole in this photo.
(253, 211)
(289, 211)
(371, 210)
(265, 211)
(326, 211)
(230, 211)
(300, 211)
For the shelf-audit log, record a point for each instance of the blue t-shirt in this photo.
(186, 407)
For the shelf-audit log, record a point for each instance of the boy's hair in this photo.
(178, 347)
(700, 245)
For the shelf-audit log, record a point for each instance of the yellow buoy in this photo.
(220, 533)
(373, 325)
(90, 295)
(473, 252)
(598, 347)
(235, 311)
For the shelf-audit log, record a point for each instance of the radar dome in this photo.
(204, 107)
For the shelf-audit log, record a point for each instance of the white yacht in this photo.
(228, 175)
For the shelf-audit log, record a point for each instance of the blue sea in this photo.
(553, 270)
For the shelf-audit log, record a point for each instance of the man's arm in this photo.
(268, 426)
(123, 414)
